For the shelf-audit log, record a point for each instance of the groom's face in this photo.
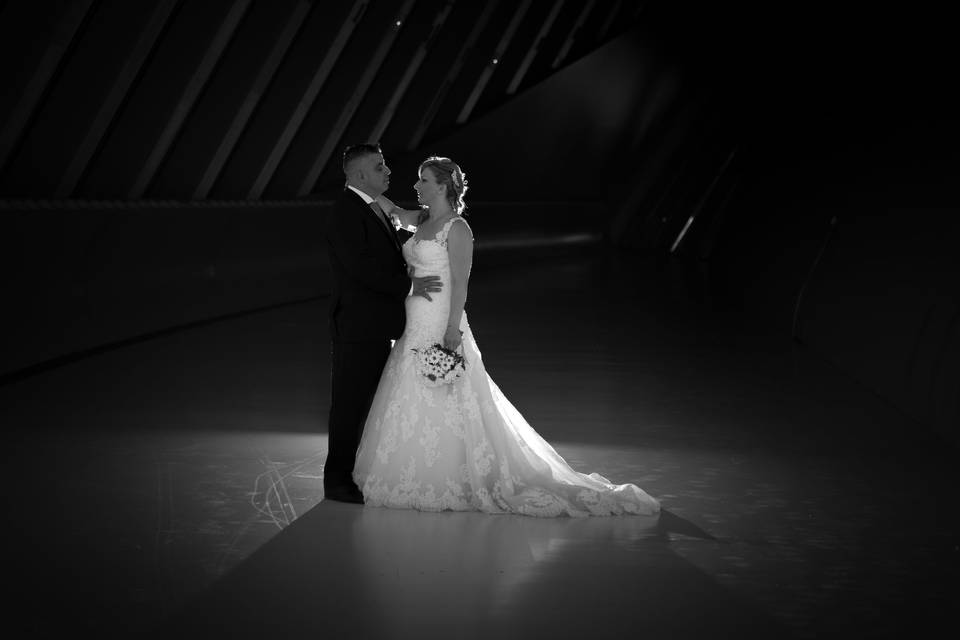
(376, 174)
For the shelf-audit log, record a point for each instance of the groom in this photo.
(370, 284)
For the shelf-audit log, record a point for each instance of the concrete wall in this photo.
(882, 302)
(884, 305)
(78, 278)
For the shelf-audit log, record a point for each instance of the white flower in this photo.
(437, 365)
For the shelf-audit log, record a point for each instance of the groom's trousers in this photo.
(356, 369)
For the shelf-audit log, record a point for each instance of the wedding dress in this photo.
(463, 446)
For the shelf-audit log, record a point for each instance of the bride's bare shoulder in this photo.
(458, 234)
(460, 229)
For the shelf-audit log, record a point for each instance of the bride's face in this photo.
(428, 191)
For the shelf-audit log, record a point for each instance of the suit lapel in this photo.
(381, 221)
(371, 214)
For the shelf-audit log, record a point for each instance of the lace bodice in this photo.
(429, 257)
(427, 319)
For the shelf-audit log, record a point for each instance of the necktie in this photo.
(386, 221)
(383, 216)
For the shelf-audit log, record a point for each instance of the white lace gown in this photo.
(463, 446)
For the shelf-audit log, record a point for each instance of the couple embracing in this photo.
(396, 438)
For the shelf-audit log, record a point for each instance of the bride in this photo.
(461, 446)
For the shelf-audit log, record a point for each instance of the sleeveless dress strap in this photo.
(445, 231)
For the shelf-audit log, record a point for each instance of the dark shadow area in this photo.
(77, 356)
(668, 524)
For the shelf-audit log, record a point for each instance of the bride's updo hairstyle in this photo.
(449, 173)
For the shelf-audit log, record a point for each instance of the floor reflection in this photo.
(383, 573)
(477, 565)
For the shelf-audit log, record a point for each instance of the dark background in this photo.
(815, 146)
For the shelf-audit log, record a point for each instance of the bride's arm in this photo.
(406, 217)
(460, 251)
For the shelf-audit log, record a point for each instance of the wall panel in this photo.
(279, 106)
(375, 24)
(211, 116)
(152, 101)
(81, 86)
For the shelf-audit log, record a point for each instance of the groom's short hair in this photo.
(355, 151)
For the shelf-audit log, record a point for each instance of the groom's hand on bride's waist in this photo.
(425, 285)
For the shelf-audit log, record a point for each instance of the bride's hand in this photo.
(452, 338)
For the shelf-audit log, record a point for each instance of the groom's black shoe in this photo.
(343, 493)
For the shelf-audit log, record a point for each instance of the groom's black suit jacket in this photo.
(370, 280)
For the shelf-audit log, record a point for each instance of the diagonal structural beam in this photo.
(306, 101)
(452, 75)
(411, 71)
(190, 94)
(63, 35)
(534, 48)
(359, 92)
(108, 109)
(487, 72)
(602, 34)
(250, 102)
(706, 196)
(574, 34)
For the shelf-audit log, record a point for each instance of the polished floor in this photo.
(173, 487)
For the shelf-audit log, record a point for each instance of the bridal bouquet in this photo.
(438, 365)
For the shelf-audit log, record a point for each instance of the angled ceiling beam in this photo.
(534, 48)
(574, 34)
(363, 84)
(63, 34)
(487, 72)
(252, 99)
(452, 75)
(411, 71)
(706, 196)
(609, 21)
(307, 99)
(108, 109)
(190, 94)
